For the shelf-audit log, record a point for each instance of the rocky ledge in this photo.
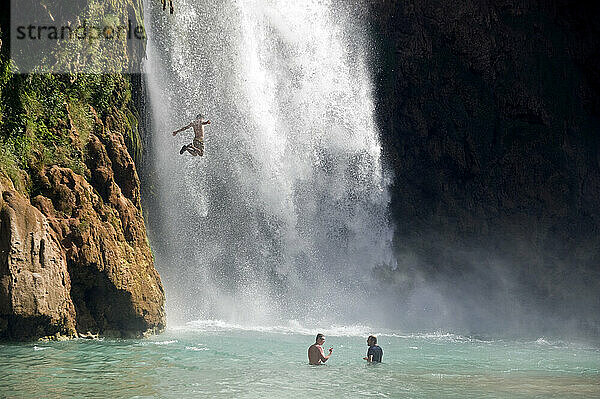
(75, 259)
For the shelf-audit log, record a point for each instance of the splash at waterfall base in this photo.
(289, 211)
(216, 359)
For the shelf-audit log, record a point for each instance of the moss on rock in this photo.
(65, 145)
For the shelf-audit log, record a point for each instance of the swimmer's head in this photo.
(372, 340)
(319, 338)
(200, 117)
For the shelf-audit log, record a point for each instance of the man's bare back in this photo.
(315, 354)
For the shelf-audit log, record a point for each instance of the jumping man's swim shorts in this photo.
(199, 144)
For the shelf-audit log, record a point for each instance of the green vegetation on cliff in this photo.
(45, 119)
(68, 142)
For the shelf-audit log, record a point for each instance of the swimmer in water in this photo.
(316, 355)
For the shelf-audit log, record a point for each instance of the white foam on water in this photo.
(196, 348)
(292, 327)
(296, 327)
(438, 336)
(556, 343)
(542, 341)
(165, 342)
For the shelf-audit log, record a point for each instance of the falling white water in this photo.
(286, 214)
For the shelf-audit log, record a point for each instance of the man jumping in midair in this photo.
(197, 146)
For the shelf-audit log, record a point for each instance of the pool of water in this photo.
(218, 360)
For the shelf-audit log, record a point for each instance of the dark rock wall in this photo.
(490, 119)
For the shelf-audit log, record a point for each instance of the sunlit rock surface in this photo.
(82, 260)
(75, 258)
(35, 286)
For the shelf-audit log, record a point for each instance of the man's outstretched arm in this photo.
(322, 354)
(206, 123)
(182, 129)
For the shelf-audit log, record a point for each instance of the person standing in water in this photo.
(316, 355)
(374, 353)
(196, 147)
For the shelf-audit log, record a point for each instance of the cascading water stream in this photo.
(287, 210)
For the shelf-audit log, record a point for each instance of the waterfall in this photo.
(286, 213)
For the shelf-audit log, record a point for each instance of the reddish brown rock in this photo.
(35, 285)
(76, 256)
(116, 290)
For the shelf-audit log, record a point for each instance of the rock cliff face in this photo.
(35, 285)
(74, 255)
(490, 120)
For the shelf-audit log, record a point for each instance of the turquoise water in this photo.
(217, 360)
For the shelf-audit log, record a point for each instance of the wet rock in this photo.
(489, 115)
(35, 285)
(114, 284)
(88, 335)
(76, 256)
